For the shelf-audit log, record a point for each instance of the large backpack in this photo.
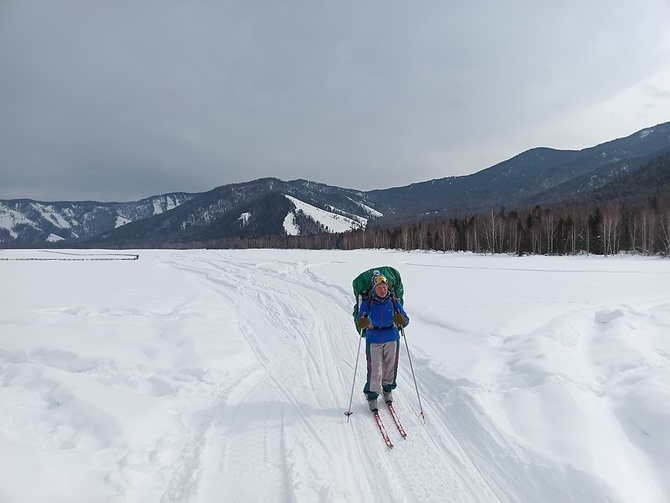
(362, 286)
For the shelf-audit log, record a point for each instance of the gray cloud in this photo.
(118, 100)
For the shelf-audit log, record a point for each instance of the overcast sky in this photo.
(115, 100)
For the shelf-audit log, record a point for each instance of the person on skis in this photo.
(379, 317)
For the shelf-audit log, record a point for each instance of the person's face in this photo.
(381, 289)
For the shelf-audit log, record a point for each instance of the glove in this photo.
(363, 322)
(399, 319)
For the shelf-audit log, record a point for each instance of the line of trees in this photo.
(598, 228)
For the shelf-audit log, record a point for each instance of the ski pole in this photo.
(409, 357)
(351, 399)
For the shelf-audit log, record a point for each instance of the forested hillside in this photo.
(630, 214)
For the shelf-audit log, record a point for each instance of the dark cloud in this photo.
(117, 100)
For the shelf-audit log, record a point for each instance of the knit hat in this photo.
(378, 278)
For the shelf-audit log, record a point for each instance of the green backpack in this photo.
(362, 286)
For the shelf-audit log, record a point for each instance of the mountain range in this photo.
(271, 206)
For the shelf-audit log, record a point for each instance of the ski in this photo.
(397, 422)
(385, 435)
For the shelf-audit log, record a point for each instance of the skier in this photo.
(379, 317)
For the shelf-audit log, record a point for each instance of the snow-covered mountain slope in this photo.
(331, 221)
(34, 222)
(11, 220)
(262, 207)
(224, 376)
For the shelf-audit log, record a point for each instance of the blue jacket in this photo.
(380, 313)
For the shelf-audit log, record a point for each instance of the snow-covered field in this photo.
(224, 376)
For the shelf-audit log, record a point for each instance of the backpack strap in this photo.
(393, 300)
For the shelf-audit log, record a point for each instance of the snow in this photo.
(9, 219)
(51, 214)
(164, 201)
(333, 222)
(120, 221)
(370, 211)
(362, 221)
(54, 238)
(224, 376)
(290, 225)
(244, 218)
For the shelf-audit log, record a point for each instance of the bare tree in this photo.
(647, 228)
(489, 230)
(420, 236)
(472, 234)
(610, 227)
(549, 227)
(664, 227)
(633, 225)
(405, 237)
(534, 228)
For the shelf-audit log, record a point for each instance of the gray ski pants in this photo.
(382, 367)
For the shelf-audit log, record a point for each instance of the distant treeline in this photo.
(641, 227)
(600, 228)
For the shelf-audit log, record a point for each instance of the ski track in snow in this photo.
(547, 398)
(303, 354)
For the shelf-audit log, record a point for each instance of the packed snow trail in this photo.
(283, 420)
(199, 376)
